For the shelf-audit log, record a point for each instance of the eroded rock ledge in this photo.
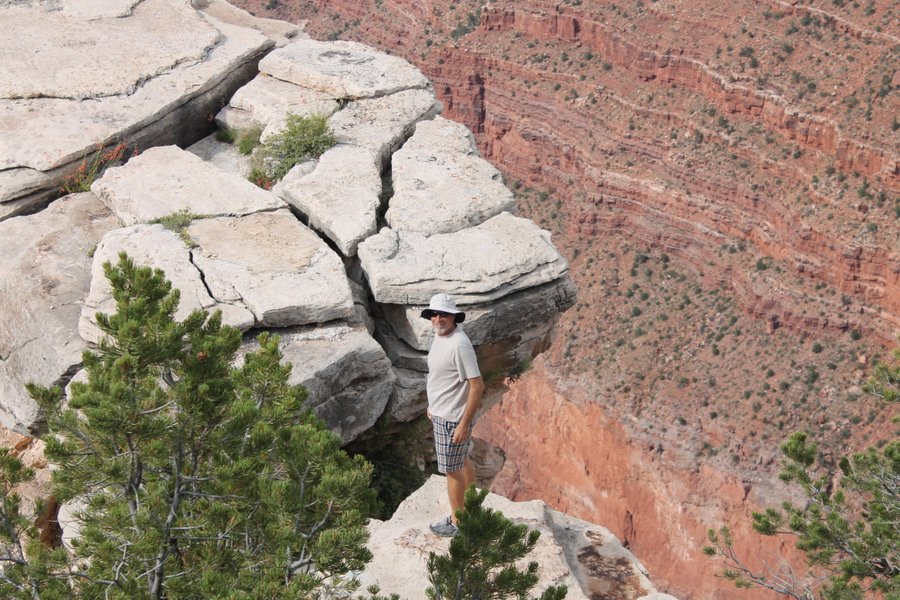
(586, 558)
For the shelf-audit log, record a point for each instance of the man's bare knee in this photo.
(459, 475)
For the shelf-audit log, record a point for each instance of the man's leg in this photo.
(457, 484)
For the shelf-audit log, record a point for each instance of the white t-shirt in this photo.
(451, 362)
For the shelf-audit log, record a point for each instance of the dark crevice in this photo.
(202, 275)
(384, 198)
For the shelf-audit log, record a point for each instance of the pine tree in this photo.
(481, 562)
(200, 480)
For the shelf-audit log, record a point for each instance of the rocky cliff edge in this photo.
(338, 258)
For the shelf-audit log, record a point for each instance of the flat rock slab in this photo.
(340, 197)
(70, 52)
(266, 101)
(481, 264)
(381, 125)
(347, 374)
(441, 185)
(167, 180)
(46, 270)
(157, 247)
(342, 69)
(587, 558)
(274, 265)
(61, 92)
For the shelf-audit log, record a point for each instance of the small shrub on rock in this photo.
(303, 138)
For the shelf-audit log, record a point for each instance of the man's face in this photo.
(443, 323)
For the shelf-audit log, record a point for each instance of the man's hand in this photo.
(461, 433)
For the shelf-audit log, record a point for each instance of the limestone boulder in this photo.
(266, 101)
(342, 69)
(46, 265)
(274, 265)
(157, 247)
(153, 72)
(167, 180)
(382, 124)
(476, 265)
(408, 399)
(347, 374)
(339, 197)
(587, 558)
(440, 183)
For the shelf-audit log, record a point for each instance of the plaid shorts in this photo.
(451, 457)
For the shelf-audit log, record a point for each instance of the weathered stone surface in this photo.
(441, 185)
(46, 273)
(487, 460)
(273, 265)
(281, 32)
(15, 182)
(383, 124)
(266, 101)
(221, 154)
(167, 179)
(173, 65)
(408, 400)
(342, 69)
(340, 197)
(400, 353)
(60, 42)
(480, 264)
(154, 246)
(587, 558)
(346, 372)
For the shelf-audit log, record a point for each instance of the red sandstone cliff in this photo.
(724, 179)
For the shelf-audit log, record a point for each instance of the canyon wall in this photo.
(724, 180)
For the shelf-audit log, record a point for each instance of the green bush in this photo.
(302, 139)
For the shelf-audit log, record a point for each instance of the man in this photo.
(454, 388)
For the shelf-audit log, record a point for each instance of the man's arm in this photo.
(473, 403)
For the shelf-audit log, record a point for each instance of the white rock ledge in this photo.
(342, 69)
(585, 557)
(480, 264)
(166, 180)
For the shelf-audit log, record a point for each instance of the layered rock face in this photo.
(724, 181)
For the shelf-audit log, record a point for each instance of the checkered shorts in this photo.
(451, 457)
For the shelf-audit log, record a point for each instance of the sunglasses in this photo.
(437, 313)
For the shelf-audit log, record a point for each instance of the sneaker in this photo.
(445, 528)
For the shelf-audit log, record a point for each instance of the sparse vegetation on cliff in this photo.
(303, 138)
(94, 165)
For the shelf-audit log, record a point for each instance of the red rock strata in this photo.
(566, 451)
(724, 179)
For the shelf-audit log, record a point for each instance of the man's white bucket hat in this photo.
(443, 303)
